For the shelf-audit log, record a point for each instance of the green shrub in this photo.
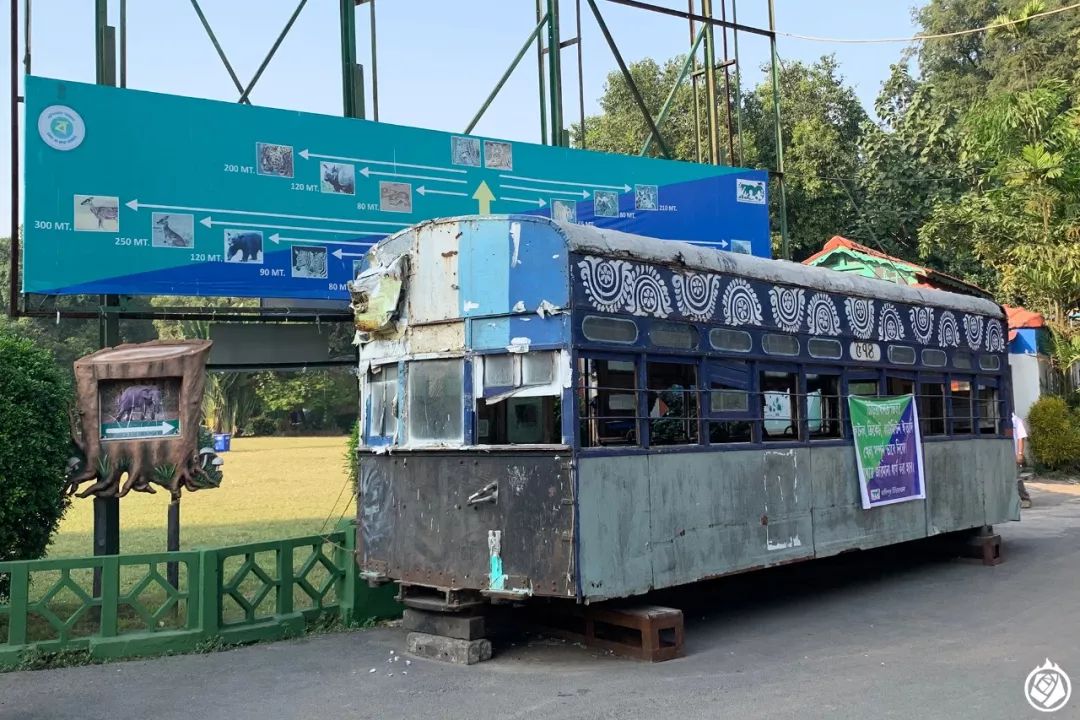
(35, 443)
(1054, 433)
(351, 459)
(263, 425)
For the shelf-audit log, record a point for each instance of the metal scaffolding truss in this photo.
(721, 121)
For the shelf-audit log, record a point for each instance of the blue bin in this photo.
(222, 442)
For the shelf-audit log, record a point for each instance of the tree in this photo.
(35, 398)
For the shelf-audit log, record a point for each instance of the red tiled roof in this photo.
(1021, 318)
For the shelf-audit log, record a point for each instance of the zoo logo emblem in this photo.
(1047, 687)
(750, 191)
(61, 127)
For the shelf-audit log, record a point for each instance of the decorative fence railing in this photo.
(260, 591)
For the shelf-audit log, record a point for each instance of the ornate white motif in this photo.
(821, 315)
(741, 305)
(995, 340)
(891, 325)
(787, 307)
(648, 295)
(973, 330)
(606, 282)
(860, 316)
(696, 295)
(922, 323)
(948, 330)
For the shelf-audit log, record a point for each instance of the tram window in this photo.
(435, 401)
(730, 340)
(962, 360)
(609, 329)
(990, 363)
(780, 406)
(863, 387)
(932, 357)
(499, 371)
(537, 368)
(901, 355)
(673, 335)
(774, 344)
(823, 406)
(730, 412)
(931, 406)
(673, 406)
(961, 406)
(607, 403)
(989, 410)
(825, 349)
(382, 391)
(898, 385)
(519, 420)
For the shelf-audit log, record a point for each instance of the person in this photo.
(1019, 440)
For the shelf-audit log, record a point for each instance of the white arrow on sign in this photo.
(135, 205)
(306, 154)
(424, 191)
(583, 193)
(623, 187)
(277, 239)
(528, 201)
(340, 254)
(368, 172)
(241, 225)
(721, 243)
(163, 429)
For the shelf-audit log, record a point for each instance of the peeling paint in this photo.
(496, 577)
(519, 306)
(792, 542)
(469, 305)
(544, 309)
(515, 236)
(517, 479)
(519, 345)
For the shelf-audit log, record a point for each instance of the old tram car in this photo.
(561, 411)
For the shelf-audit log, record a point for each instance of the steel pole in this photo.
(506, 75)
(694, 83)
(580, 72)
(374, 68)
(540, 14)
(785, 248)
(671, 95)
(710, 84)
(555, 72)
(738, 79)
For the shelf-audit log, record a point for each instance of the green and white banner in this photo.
(888, 449)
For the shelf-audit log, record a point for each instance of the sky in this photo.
(437, 59)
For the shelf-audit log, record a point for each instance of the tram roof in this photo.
(591, 240)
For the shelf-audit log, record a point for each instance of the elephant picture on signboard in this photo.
(142, 399)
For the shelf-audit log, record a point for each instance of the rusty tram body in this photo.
(555, 410)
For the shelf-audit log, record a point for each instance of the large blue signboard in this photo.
(138, 193)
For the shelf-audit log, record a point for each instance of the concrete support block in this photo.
(454, 650)
(462, 627)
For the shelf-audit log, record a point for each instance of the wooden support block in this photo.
(984, 547)
(453, 625)
(647, 632)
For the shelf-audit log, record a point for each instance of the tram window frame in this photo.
(615, 322)
(745, 345)
(791, 378)
(662, 332)
(957, 423)
(414, 403)
(377, 383)
(860, 378)
(664, 417)
(828, 402)
(728, 377)
(588, 435)
(893, 379)
(933, 421)
(982, 426)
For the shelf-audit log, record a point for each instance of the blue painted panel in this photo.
(496, 333)
(484, 268)
(1026, 342)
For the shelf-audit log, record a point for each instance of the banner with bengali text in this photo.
(888, 449)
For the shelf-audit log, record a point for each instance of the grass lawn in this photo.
(274, 487)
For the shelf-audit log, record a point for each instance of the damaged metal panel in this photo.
(376, 294)
(955, 494)
(841, 523)
(428, 518)
(433, 274)
(438, 338)
(499, 333)
(614, 549)
(994, 465)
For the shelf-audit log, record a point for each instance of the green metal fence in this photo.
(244, 593)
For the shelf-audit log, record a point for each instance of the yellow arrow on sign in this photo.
(483, 196)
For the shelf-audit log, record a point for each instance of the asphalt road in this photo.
(874, 635)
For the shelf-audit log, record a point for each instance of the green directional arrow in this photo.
(136, 429)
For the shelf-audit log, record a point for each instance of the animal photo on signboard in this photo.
(564, 210)
(498, 155)
(244, 246)
(605, 203)
(274, 159)
(338, 178)
(309, 262)
(395, 197)
(465, 151)
(175, 231)
(646, 197)
(97, 213)
(136, 408)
